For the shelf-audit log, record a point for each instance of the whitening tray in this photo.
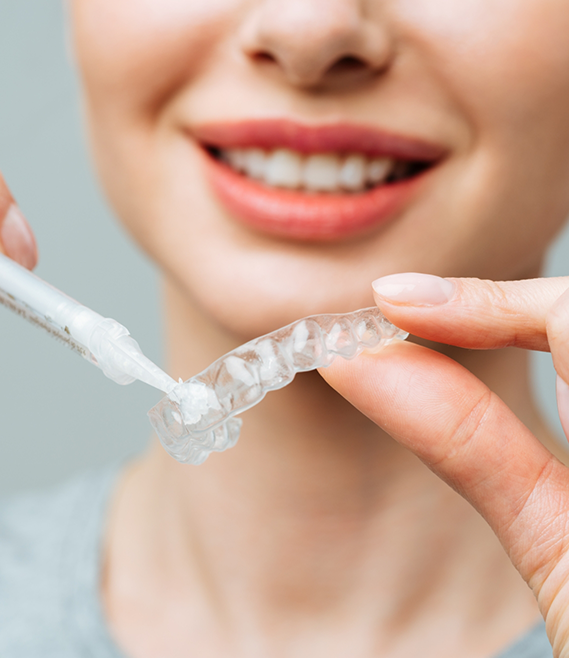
(198, 416)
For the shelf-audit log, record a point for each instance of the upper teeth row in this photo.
(319, 172)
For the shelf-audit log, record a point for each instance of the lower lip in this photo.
(305, 216)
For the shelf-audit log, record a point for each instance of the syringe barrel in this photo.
(48, 302)
(35, 293)
(104, 341)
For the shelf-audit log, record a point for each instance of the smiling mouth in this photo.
(327, 172)
(313, 183)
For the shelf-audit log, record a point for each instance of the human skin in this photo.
(16, 237)
(319, 535)
(481, 449)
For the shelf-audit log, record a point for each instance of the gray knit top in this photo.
(50, 562)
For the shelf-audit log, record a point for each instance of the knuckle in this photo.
(524, 313)
(543, 510)
(468, 428)
(495, 295)
(471, 424)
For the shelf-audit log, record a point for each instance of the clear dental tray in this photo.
(198, 416)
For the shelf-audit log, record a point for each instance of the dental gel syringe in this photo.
(102, 341)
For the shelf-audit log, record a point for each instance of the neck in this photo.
(316, 514)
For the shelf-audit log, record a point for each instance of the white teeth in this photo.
(236, 158)
(318, 172)
(353, 172)
(379, 169)
(322, 172)
(255, 163)
(284, 169)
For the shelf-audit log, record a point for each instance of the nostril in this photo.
(264, 57)
(348, 64)
(348, 68)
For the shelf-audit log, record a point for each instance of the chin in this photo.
(247, 304)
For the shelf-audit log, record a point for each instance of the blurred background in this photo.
(59, 415)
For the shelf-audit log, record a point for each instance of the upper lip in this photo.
(333, 137)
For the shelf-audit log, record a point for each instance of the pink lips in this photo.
(299, 215)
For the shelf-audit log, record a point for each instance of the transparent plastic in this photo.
(198, 416)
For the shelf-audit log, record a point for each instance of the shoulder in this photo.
(49, 558)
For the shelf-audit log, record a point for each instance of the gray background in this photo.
(59, 414)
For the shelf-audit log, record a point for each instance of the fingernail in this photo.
(414, 289)
(562, 390)
(17, 239)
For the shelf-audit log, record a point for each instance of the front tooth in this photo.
(255, 163)
(284, 169)
(321, 172)
(353, 172)
(379, 169)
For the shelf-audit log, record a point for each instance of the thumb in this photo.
(467, 436)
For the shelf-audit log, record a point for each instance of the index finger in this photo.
(471, 313)
(17, 240)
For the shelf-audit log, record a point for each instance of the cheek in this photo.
(137, 58)
(138, 52)
(505, 61)
(506, 65)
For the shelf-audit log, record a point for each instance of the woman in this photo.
(275, 158)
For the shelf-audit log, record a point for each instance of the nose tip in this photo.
(311, 41)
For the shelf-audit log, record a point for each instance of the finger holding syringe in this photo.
(17, 240)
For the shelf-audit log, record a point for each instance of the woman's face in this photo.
(275, 156)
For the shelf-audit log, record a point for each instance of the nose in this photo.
(315, 41)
